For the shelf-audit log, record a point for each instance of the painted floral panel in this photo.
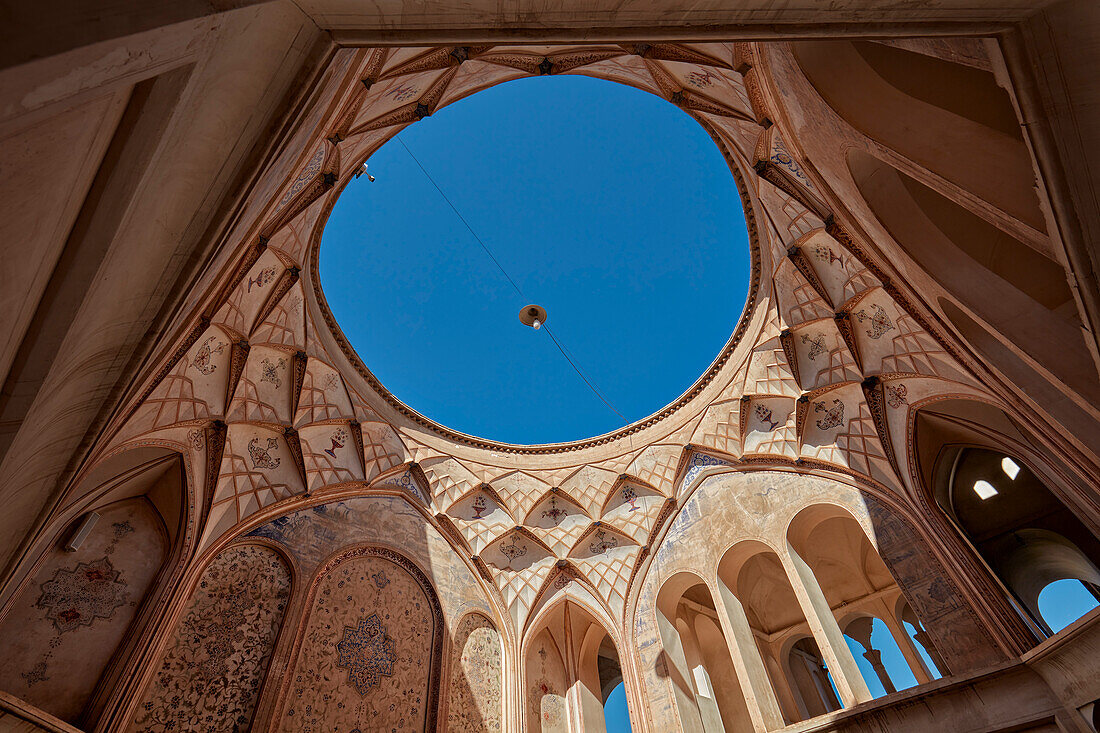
(214, 665)
(365, 662)
(65, 627)
(476, 673)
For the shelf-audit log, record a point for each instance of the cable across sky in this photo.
(519, 291)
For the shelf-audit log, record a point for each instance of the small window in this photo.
(984, 489)
(1010, 467)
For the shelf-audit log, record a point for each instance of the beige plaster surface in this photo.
(180, 309)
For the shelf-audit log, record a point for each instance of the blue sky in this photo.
(608, 206)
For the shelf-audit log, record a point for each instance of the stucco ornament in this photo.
(79, 596)
(367, 652)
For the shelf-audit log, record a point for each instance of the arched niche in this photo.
(65, 635)
(1018, 291)
(546, 685)
(1005, 502)
(214, 665)
(677, 653)
(859, 589)
(950, 119)
(764, 609)
(571, 664)
(711, 661)
(476, 676)
(368, 653)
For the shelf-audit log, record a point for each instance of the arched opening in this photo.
(477, 146)
(952, 120)
(572, 673)
(67, 630)
(698, 658)
(810, 677)
(1016, 290)
(878, 655)
(1064, 601)
(767, 620)
(862, 596)
(1008, 514)
(1028, 537)
(615, 712)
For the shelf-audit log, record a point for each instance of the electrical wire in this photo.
(515, 286)
(461, 217)
(581, 375)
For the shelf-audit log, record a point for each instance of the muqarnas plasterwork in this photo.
(368, 656)
(213, 667)
(474, 701)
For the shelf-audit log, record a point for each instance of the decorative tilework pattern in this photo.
(366, 651)
(78, 596)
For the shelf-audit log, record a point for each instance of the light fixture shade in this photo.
(529, 314)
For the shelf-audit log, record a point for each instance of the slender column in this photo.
(679, 674)
(926, 641)
(912, 656)
(838, 657)
(700, 680)
(874, 656)
(922, 638)
(760, 696)
(860, 630)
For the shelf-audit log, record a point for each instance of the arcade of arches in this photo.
(216, 518)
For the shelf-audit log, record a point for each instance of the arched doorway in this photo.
(992, 494)
(571, 666)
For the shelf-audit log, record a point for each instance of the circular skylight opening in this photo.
(606, 205)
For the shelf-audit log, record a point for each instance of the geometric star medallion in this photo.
(77, 597)
(367, 653)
